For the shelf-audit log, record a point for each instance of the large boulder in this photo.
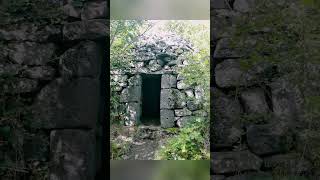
(223, 22)
(180, 100)
(230, 74)
(244, 6)
(135, 80)
(30, 53)
(67, 104)
(308, 143)
(73, 154)
(131, 94)
(224, 49)
(269, 139)
(30, 32)
(168, 81)
(19, 85)
(182, 112)
(95, 10)
(234, 162)
(292, 164)
(39, 73)
(254, 101)
(226, 111)
(83, 60)
(287, 99)
(96, 29)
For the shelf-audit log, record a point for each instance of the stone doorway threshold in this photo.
(146, 142)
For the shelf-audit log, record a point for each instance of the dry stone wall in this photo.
(263, 146)
(57, 72)
(162, 55)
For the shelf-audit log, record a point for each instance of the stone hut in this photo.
(152, 91)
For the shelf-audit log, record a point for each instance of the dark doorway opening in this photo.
(151, 86)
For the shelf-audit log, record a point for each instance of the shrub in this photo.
(189, 144)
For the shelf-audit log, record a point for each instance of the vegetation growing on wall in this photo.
(39, 12)
(285, 36)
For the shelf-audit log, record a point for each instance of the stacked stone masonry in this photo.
(58, 70)
(162, 55)
(244, 150)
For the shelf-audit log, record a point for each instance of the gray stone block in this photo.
(168, 81)
(83, 60)
(73, 154)
(232, 162)
(167, 99)
(131, 94)
(134, 112)
(254, 101)
(30, 53)
(65, 104)
(167, 118)
(95, 10)
(86, 30)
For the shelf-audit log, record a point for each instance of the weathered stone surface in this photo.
(182, 85)
(252, 176)
(39, 72)
(244, 5)
(225, 50)
(89, 29)
(167, 99)
(71, 10)
(185, 120)
(182, 112)
(286, 99)
(308, 143)
(200, 113)
(135, 80)
(180, 100)
(225, 111)
(31, 53)
(134, 112)
(219, 4)
(73, 154)
(232, 162)
(155, 65)
(292, 164)
(64, 104)
(168, 81)
(189, 93)
(254, 101)
(194, 105)
(20, 85)
(217, 177)
(30, 32)
(167, 118)
(223, 22)
(95, 10)
(119, 80)
(9, 69)
(131, 94)
(269, 138)
(199, 92)
(83, 60)
(230, 74)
